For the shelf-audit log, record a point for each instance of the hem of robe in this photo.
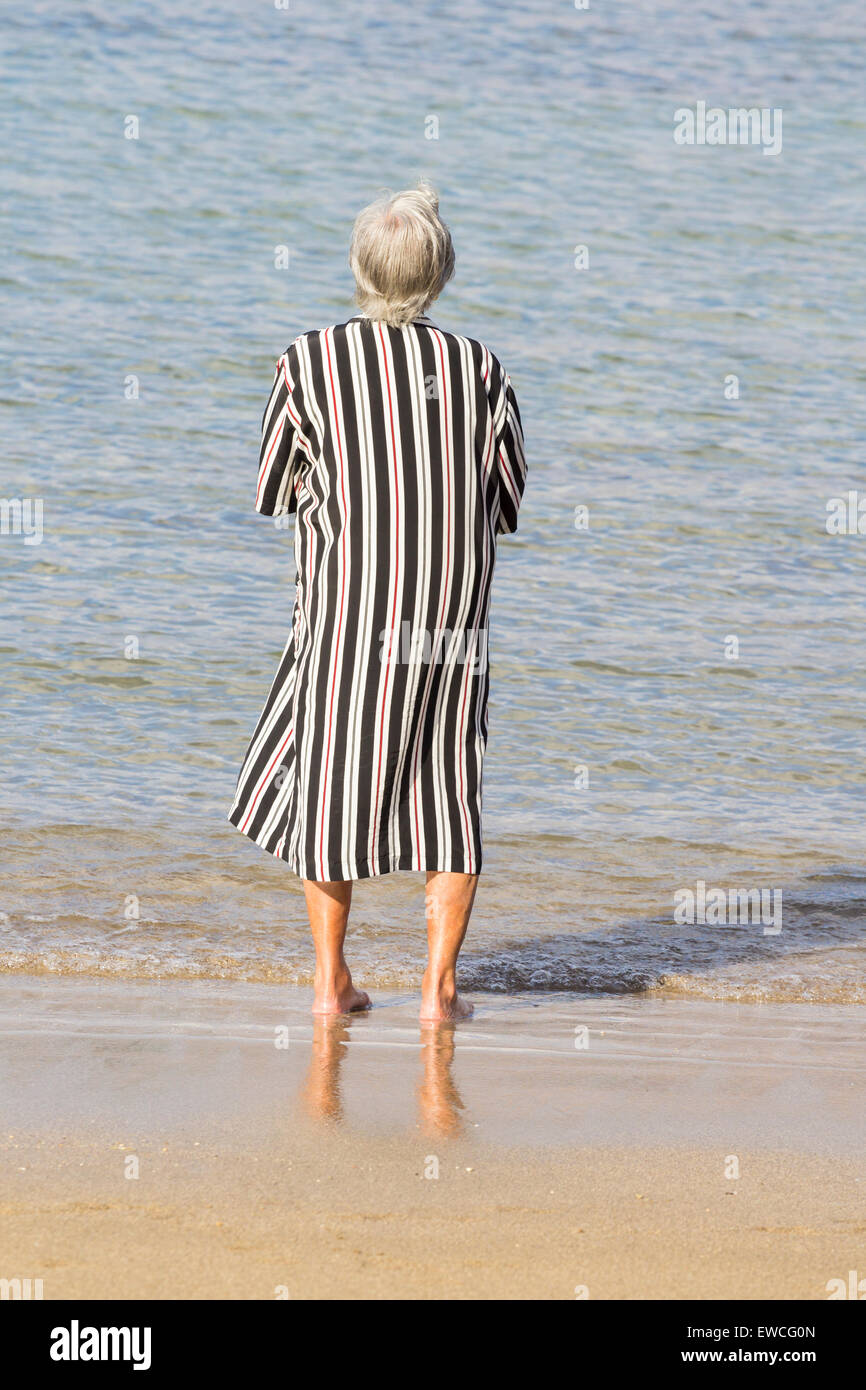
(339, 872)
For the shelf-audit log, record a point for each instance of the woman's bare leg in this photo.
(328, 909)
(449, 903)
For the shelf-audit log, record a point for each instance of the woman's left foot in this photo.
(444, 1008)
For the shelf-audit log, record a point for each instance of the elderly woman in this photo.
(399, 447)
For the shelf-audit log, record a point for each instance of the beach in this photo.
(661, 1094)
(558, 1149)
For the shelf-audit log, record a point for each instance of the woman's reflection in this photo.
(321, 1091)
(439, 1101)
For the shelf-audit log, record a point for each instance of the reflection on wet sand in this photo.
(439, 1101)
(320, 1093)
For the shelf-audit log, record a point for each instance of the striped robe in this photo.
(401, 452)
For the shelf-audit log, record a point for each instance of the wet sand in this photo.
(629, 1148)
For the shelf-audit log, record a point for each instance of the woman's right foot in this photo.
(442, 1004)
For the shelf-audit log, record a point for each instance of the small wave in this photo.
(560, 977)
(515, 973)
(786, 989)
(541, 972)
(151, 967)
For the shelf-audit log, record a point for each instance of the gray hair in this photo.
(401, 255)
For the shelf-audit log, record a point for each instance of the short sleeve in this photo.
(510, 455)
(281, 453)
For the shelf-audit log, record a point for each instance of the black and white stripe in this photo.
(401, 451)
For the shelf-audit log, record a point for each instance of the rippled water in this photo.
(154, 258)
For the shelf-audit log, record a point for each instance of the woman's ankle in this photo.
(331, 977)
(439, 981)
